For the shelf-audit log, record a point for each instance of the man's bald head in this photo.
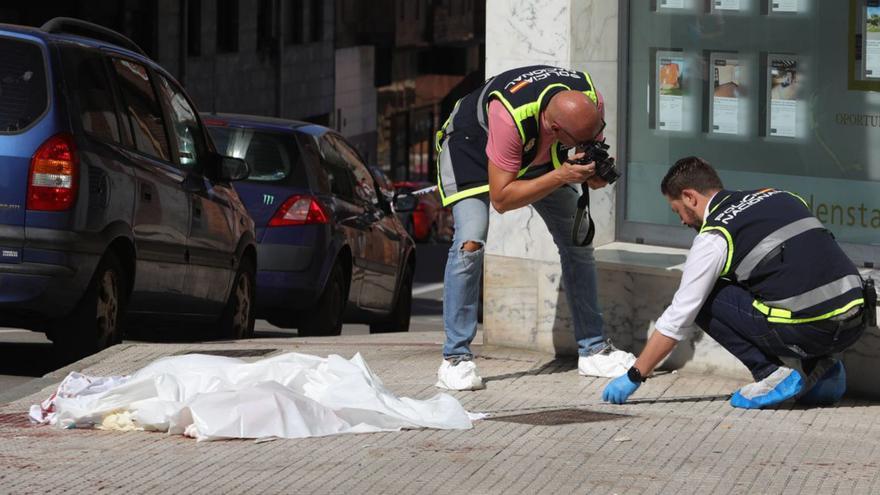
(574, 117)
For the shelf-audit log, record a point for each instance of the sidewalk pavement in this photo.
(550, 433)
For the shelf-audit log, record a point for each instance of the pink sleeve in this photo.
(504, 147)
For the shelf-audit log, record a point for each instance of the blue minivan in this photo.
(330, 247)
(113, 200)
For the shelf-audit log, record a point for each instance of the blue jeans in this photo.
(461, 290)
(729, 317)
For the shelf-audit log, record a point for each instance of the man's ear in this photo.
(690, 197)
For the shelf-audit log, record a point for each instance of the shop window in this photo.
(768, 92)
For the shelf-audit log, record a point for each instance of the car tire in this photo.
(94, 324)
(399, 318)
(237, 319)
(325, 318)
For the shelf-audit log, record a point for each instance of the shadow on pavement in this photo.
(677, 400)
(558, 365)
(29, 359)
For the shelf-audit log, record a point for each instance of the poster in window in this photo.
(728, 90)
(785, 6)
(727, 5)
(671, 89)
(872, 39)
(672, 4)
(785, 81)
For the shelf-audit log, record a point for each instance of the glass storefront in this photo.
(773, 93)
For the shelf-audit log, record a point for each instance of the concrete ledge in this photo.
(641, 258)
(525, 307)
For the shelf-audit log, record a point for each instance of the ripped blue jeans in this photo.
(461, 289)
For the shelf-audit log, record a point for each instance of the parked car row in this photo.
(326, 233)
(117, 205)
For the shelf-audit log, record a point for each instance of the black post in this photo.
(183, 42)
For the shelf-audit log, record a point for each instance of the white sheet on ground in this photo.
(210, 397)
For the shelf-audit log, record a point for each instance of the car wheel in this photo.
(326, 317)
(398, 319)
(237, 319)
(94, 323)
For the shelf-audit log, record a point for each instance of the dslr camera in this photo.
(597, 152)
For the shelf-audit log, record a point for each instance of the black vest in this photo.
(783, 255)
(525, 92)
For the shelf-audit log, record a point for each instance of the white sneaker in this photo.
(459, 376)
(610, 362)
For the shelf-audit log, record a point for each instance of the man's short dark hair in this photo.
(691, 172)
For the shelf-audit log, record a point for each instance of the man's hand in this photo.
(619, 390)
(575, 174)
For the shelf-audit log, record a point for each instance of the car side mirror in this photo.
(405, 202)
(233, 169)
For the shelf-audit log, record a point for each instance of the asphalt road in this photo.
(26, 355)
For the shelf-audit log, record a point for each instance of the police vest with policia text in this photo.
(462, 166)
(784, 256)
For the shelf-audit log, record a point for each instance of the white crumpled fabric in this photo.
(210, 397)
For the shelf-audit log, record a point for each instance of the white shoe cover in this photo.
(608, 363)
(460, 376)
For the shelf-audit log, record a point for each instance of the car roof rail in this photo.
(69, 25)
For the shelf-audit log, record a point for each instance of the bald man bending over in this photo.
(508, 143)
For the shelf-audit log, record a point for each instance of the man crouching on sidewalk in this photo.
(765, 279)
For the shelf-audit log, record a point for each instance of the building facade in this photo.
(377, 72)
(264, 57)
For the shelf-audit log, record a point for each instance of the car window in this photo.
(185, 128)
(339, 172)
(272, 156)
(365, 185)
(92, 94)
(142, 108)
(382, 183)
(23, 92)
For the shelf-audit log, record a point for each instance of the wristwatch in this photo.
(635, 375)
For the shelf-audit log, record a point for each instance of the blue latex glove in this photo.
(619, 390)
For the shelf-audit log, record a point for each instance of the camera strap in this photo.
(583, 209)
